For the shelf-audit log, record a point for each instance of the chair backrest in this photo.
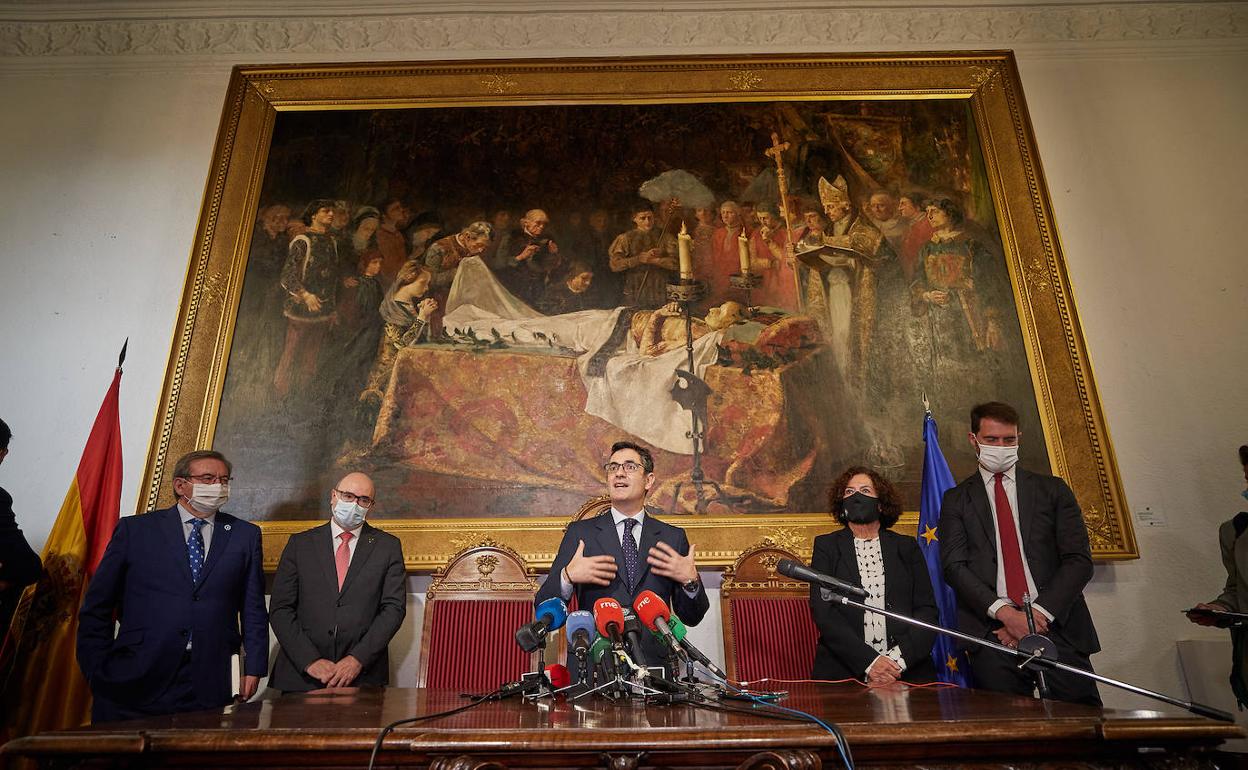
(472, 609)
(768, 631)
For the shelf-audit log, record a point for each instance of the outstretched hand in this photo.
(595, 570)
(665, 561)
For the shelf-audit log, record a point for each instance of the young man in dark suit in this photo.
(595, 559)
(338, 598)
(187, 585)
(1004, 533)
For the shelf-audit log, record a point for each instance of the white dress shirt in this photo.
(1011, 494)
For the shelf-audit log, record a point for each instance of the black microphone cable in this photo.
(842, 745)
(411, 720)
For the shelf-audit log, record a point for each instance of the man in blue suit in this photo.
(179, 581)
(595, 559)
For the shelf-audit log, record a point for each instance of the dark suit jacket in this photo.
(601, 538)
(19, 564)
(144, 578)
(312, 619)
(1055, 542)
(842, 652)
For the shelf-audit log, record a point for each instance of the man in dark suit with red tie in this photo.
(1006, 533)
(187, 586)
(339, 597)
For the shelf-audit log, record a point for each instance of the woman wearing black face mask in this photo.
(868, 646)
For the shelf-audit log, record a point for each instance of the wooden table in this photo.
(942, 727)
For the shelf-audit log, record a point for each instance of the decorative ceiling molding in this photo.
(31, 31)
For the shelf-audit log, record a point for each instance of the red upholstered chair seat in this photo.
(768, 631)
(472, 609)
(775, 637)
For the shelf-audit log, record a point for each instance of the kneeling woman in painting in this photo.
(868, 646)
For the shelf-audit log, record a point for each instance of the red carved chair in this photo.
(472, 609)
(768, 631)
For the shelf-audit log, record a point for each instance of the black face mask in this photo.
(861, 509)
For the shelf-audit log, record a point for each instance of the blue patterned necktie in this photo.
(195, 548)
(631, 566)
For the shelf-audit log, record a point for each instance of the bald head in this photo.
(353, 488)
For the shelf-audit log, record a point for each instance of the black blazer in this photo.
(19, 564)
(842, 653)
(1055, 540)
(312, 619)
(599, 534)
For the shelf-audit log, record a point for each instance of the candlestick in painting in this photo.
(743, 249)
(684, 242)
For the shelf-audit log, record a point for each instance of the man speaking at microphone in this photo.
(626, 551)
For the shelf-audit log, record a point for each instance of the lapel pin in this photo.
(227, 527)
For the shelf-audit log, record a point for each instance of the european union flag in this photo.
(951, 665)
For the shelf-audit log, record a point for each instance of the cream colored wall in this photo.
(1139, 111)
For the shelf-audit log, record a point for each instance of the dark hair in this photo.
(1243, 450)
(647, 459)
(577, 267)
(993, 410)
(890, 500)
(183, 466)
(951, 209)
(6, 434)
(316, 205)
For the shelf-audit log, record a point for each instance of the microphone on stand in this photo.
(655, 613)
(581, 632)
(551, 615)
(680, 633)
(799, 571)
(609, 619)
(632, 638)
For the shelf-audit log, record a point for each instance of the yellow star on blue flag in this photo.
(951, 663)
(928, 534)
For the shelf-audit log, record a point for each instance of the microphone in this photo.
(550, 617)
(632, 637)
(603, 656)
(654, 612)
(679, 632)
(558, 675)
(609, 619)
(581, 632)
(799, 571)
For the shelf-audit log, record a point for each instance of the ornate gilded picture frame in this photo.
(469, 278)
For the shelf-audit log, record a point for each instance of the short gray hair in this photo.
(479, 230)
(182, 468)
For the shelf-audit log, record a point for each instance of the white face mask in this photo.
(208, 498)
(997, 459)
(348, 515)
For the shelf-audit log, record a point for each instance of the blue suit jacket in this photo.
(601, 538)
(145, 580)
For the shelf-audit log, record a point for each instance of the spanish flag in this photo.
(42, 687)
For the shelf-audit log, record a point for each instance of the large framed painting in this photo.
(468, 279)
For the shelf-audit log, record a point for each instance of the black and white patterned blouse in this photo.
(871, 573)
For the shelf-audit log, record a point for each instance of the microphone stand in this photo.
(1041, 685)
(1042, 654)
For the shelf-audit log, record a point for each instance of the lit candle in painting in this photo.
(743, 248)
(685, 242)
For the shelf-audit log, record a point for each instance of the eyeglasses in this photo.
(629, 467)
(208, 478)
(364, 500)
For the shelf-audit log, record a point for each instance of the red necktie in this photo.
(342, 557)
(1011, 553)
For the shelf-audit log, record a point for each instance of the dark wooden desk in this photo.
(893, 727)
